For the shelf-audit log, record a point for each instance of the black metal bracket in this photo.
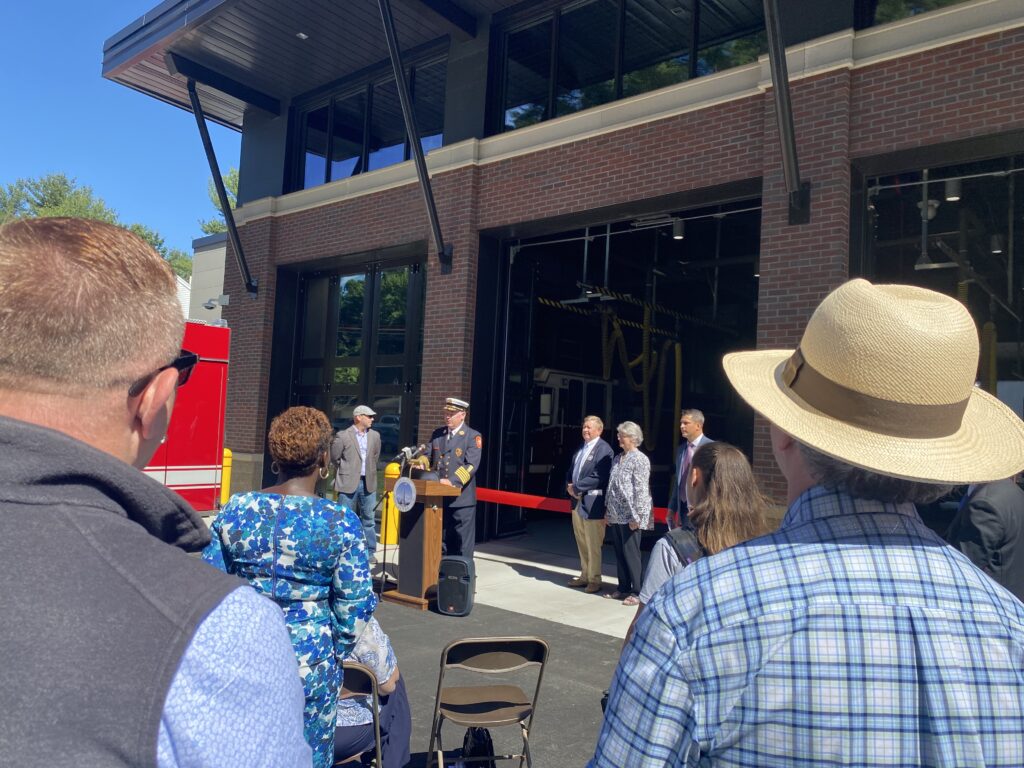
(462, 23)
(178, 65)
(222, 195)
(444, 252)
(799, 191)
(800, 204)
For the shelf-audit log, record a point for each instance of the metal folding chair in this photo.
(488, 706)
(360, 681)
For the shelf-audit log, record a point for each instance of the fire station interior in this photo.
(626, 320)
(951, 224)
(955, 228)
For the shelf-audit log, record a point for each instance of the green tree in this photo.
(216, 224)
(57, 194)
(52, 195)
(151, 236)
(180, 261)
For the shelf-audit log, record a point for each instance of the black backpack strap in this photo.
(684, 542)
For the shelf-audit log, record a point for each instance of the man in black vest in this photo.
(118, 648)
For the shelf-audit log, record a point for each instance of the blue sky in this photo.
(57, 114)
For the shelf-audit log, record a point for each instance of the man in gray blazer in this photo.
(354, 453)
(691, 427)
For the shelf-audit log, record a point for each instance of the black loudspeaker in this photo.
(456, 584)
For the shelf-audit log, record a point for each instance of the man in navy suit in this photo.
(586, 482)
(989, 528)
(691, 427)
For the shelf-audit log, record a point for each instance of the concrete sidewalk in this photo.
(521, 590)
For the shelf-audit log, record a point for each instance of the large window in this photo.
(360, 127)
(585, 71)
(656, 53)
(589, 53)
(584, 53)
(360, 340)
(872, 12)
(527, 75)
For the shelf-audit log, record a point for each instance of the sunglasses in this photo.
(184, 363)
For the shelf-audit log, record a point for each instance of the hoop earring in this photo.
(324, 473)
(275, 468)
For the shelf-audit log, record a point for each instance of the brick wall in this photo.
(801, 264)
(954, 92)
(968, 89)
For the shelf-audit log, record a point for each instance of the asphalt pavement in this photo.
(521, 590)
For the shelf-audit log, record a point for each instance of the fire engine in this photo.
(191, 460)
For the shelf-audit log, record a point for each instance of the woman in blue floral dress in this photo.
(306, 553)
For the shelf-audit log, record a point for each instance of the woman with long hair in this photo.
(306, 553)
(725, 508)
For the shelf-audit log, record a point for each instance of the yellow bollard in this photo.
(390, 515)
(225, 478)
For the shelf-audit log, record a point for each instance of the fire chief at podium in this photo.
(455, 451)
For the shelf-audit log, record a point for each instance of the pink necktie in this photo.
(683, 472)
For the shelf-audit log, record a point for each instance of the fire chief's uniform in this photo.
(456, 455)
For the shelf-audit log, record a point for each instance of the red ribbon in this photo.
(512, 499)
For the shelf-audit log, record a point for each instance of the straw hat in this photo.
(884, 379)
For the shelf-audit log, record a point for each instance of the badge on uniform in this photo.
(458, 451)
(479, 441)
(462, 433)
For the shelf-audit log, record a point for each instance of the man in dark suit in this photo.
(988, 528)
(586, 482)
(691, 427)
(355, 453)
(455, 451)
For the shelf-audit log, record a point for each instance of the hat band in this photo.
(886, 417)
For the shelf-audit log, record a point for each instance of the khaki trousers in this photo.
(589, 538)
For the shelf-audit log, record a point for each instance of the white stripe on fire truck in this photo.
(182, 476)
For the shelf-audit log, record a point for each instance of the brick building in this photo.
(609, 175)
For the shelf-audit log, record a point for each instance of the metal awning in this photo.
(217, 58)
(264, 52)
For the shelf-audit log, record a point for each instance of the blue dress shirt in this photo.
(852, 636)
(236, 699)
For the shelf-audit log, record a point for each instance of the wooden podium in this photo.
(419, 543)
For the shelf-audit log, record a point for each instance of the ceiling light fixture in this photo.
(933, 208)
(678, 229)
(952, 190)
(996, 243)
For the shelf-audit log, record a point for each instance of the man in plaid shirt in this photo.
(853, 635)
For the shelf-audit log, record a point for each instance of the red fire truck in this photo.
(191, 461)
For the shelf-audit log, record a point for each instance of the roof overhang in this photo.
(246, 54)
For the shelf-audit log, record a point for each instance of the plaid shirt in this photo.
(851, 636)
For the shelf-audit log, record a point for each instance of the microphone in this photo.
(411, 452)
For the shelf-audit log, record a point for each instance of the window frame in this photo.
(503, 28)
(364, 83)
